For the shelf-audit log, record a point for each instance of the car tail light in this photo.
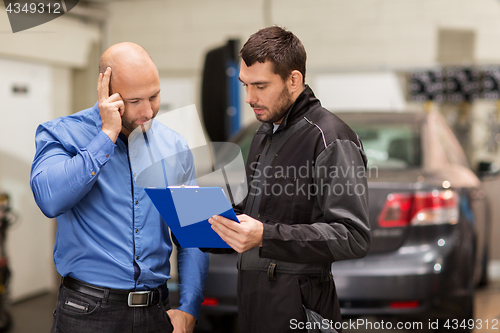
(405, 305)
(420, 208)
(210, 301)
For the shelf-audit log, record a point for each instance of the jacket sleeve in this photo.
(60, 179)
(340, 228)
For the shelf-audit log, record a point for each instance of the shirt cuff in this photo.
(101, 147)
(191, 303)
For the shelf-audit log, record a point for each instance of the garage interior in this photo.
(364, 55)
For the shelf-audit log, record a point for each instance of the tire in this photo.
(465, 311)
(453, 324)
(5, 321)
(225, 324)
(467, 314)
(483, 280)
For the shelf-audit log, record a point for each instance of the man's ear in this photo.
(295, 81)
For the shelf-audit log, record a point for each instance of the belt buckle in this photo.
(139, 298)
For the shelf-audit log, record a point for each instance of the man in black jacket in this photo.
(307, 202)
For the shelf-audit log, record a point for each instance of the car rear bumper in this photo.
(408, 281)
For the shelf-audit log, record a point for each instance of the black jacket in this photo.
(307, 184)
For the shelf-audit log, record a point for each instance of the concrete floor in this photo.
(35, 315)
(488, 307)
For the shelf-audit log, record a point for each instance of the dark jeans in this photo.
(79, 313)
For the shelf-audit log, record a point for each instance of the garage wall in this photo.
(29, 240)
(39, 62)
(359, 36)
(336, 33)
(63, 42)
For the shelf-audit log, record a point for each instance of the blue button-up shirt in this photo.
(108, 231)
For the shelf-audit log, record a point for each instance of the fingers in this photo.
(223, 230)
(230, 224)
(103, 85)
(243, 217)
(223, 227)
(111, 108)
(229, 236)
(117, 104)
(114, 98)
(241, 236)
(238, 236)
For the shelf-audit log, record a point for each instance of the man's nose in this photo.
(251, 96)
(147, 110)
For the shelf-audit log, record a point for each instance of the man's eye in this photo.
(244, 84)
(134, 102)
(260, 87)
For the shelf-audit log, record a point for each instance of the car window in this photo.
(391, 146)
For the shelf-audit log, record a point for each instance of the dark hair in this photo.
(279, 46)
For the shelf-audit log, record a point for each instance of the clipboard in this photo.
(186, 210)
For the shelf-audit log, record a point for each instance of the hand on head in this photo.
(130, 75)
(111, 108)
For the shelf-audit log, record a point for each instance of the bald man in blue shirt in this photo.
(112, 246)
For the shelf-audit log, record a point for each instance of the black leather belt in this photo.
(132, 298)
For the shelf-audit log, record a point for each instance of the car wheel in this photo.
(467, 313)
(483, 281)
(463, 313)
(5, 321)
(224, 323)
(460, 322)
(467, 316)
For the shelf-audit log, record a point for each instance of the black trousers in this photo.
(79, 313)
(276, 306)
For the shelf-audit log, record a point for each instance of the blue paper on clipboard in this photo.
(187, 210)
